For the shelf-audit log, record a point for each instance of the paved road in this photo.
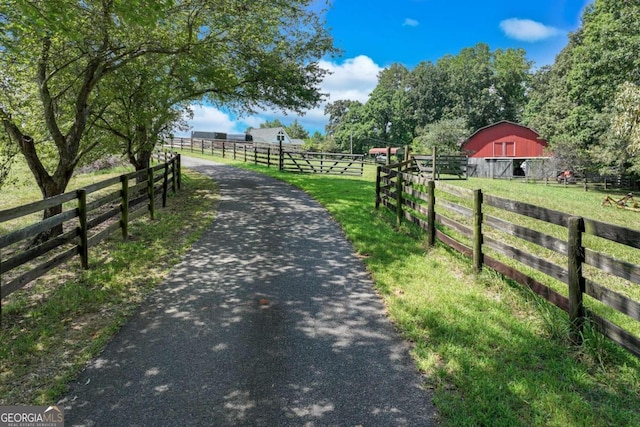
(270, 320)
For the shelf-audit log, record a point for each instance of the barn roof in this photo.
(499, 123)
(269, 134)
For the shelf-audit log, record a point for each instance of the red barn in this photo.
(505, 149)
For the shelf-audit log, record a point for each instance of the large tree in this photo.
(380, 111)
(573, 101)
(295, 130)
(477, 86)
(57, 54)
(349, 126)
(427, 93)
(141, 106)
(484, 87)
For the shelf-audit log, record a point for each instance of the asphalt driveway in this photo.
(270, 320)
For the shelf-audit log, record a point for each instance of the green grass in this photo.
(51, 328)
(493, 353)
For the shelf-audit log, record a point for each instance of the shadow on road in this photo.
(269, 320)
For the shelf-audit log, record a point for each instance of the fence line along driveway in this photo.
(269, 320)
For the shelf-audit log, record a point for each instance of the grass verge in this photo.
(493, 353)
(52, 328)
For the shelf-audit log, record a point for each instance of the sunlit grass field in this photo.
(493, 353)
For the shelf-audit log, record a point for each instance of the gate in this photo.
(326, 163)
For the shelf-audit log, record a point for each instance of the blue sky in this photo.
(374, 34)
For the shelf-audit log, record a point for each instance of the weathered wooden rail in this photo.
(440, 166)
(281, 156)
(482, 228)
(89, 215)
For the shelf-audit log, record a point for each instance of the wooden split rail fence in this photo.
(272, 155)
(483, 227)
(89, 215)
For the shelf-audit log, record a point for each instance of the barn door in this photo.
(502, 169)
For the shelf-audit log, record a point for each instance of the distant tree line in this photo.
(586, 104)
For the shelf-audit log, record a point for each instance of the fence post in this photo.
(84, 240)
(151, 193)
(165, 185)
(280, 156)
(234, 151)
(576, 282)
(399, 197)
(431, 213)
(434, 166)
(255, 155)
(245, 153)
(124, 206)
(477, 231)
(223, 149)
(173, 175)
(378, 178)
(202, 146)
(179, 172)
(268, 157)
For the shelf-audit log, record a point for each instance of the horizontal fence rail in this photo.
(285, 157)
(494, 231)
(88, 216)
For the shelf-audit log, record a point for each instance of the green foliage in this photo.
(72, 70)
(8, 153)
(477, 86)
(271, 124)
(445, 135)
(625, 124)
(348, 126)
(295, 130)
(427, 93)
(485, 87)
(573, 103)
(383, 112)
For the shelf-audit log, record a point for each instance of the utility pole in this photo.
(351, 141)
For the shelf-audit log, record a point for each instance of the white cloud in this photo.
(527, 30)
(207, 118)
(353, 79)
(408, 22)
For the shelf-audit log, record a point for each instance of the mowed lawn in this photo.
(493, 353)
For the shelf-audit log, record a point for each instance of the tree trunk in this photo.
(50, 185)
(138, 148)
